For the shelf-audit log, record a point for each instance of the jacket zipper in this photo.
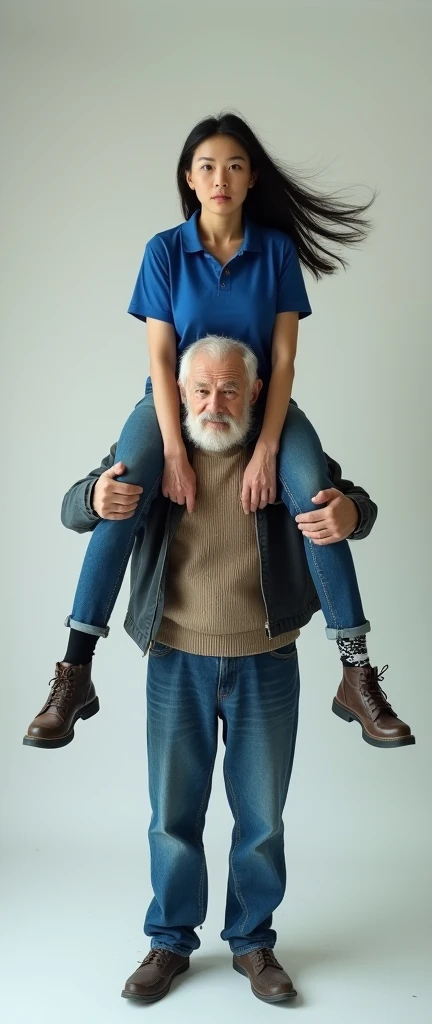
(267, 626)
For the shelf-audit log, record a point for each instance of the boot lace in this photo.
(373, 693)
(157, 956)
(62, 688)
(264, 958)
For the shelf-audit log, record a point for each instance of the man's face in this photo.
(218, 401)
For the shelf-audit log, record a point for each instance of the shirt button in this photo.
(222, 284)
(227, 273)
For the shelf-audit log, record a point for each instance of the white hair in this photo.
(218, 347)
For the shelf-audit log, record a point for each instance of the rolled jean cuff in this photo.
(349, 633)
(249, 949)
(87, 628)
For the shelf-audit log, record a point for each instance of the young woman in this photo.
(232, 268)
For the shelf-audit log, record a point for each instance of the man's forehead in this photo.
(213, 370)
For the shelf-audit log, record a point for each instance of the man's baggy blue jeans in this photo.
(257, 699)
(303, 471)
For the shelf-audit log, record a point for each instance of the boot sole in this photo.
(349, 716)
(282, 998)
(62, 741)
(154, 998)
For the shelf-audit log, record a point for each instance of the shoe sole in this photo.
(282, 998)
(154, 998)
(349, 716)
(62, 741)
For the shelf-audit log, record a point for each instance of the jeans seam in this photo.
(348, 632)
(160, 945)
(238, 837)
(160, 654)
(197, 836)
(313, 554)
(223, 696)
(250, 949)
(129, 546)
(282, 657)
(218, 693)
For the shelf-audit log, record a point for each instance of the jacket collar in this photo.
(192, 242)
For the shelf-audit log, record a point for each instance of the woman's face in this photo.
(221, 174)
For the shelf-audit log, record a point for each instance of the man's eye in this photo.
(229, 393)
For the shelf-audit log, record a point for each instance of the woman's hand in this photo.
(259, 480)
(179, 480)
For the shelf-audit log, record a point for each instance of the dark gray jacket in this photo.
(289, 593)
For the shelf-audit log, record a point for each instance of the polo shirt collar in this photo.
(192, 242)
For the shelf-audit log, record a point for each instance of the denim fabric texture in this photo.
(257, 699)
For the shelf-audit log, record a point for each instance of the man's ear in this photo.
(182, 392)
(256, 388)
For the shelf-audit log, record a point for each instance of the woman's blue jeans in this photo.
(257, 699)
(303, 471)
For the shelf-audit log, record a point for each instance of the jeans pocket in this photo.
(283, 653)
(158, 650)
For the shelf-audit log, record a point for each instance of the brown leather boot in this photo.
(152, 980)
(72, 696)
(268, 979)
(360, 698)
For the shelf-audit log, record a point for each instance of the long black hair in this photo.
(280, 200)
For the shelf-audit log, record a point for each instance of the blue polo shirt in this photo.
(184, 285)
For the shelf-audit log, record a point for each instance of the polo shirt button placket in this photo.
(223, 284)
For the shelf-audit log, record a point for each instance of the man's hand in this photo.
(111, 498)
(259, 480)
(335, 522)
(179, 480)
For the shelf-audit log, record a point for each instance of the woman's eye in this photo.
(208, 167)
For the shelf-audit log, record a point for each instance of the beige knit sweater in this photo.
(213, 599)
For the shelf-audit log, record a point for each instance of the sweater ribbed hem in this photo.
(235, 645)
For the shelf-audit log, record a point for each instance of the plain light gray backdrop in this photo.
(98, 99)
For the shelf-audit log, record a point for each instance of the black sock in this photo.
(80, 648)
(353, 651)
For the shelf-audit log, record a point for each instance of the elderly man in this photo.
(217, 597)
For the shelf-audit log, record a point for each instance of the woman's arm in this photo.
(284, 348)
(162, 347)
(259, 481)
(179, 478)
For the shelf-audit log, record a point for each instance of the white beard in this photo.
(217, 440)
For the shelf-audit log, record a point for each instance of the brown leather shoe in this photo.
(72, 696)
(361, 699)
(268, 979)
(152, 980)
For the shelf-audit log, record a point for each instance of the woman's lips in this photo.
(222, 199)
